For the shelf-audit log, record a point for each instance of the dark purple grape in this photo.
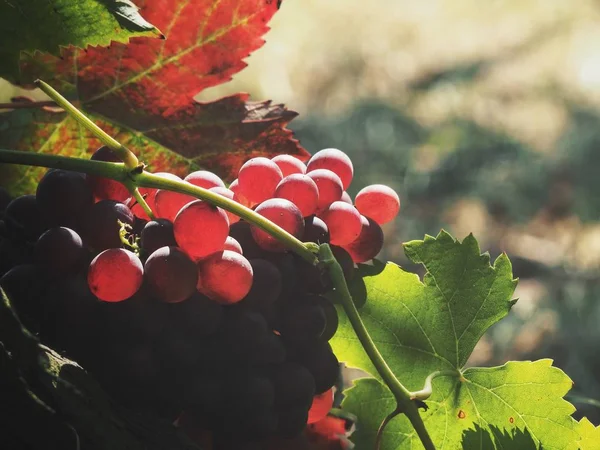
(5, 199)
(321, 362)
(58, 251)
(242, 233)
(197, 316)
(13, 253)
(292, 421)
(156, 234)
(171, 274)
(63, 197)
(23, 219)
(315, 231)
(266, 285)
(100, 224)
(345, 261)
(301, 323)
(294, 385)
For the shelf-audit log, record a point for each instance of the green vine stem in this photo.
(402, 395)
(124, 153)
(141, 178)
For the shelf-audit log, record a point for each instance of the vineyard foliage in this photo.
(141, 89)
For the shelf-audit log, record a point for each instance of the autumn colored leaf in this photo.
(46, 25)
(142, 93)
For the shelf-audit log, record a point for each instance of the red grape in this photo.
(379, 202)
(233, 245)
(105, 188)
(150, 195)
(238, 196)
(225, 277)
(228, 193)
(368, 244)
(201, 229)
(258, 178)
(283, 213)
(321, 406)
(336, 161)
(343, 222)
(330, 187)
(169, 203)
(115, 275)
(289, 164)
(172, 274)
(301, 190)
(204, 179)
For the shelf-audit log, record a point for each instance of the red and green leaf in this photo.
(142, 93)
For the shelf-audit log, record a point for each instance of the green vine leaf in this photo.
(590, 435)
(423, 327)
(47, 25)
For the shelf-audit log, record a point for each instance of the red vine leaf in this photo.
(142, 93)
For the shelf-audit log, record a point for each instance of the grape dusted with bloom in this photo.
(237, 194)
(233, 245)
(368, 244)
(258, 178)
(330, 187)
(171, 274)
(201, 229)
(336, 161)
(289, 164)
(100, 224)
(115, 275)
(301, 190)
(204, 179)
(169, 203)
(58, 251)
(225, 277)
(343, 222)
(227, 193)
(149, 195)
(379, 202)
(282, 212)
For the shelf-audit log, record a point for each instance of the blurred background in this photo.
(485, 117)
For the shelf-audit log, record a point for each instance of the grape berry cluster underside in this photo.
(196, 315)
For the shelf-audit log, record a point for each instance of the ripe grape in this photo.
(345, 261)
(302, 323)
(266, 284)
(201, 229)
(330, 187)
(227, 193)
(322, 363)
(289, 164)
(368, 244)
(379, 202)
(244, 327)
(115, 274)
(204, 179)
(169, 203)
(149, 195)
(301, 190)
(283, 213)
(270, 350)
(293, 384)
(225, 277)
(23, 218)
(292, 421)
(232, 245)
(241, 232)
(105, 188)
(343, 222)
(321, 405)
(315, 230)
(346, 198)
(156, 234)
(258, 178)
(238, 196)
(58, 251)
(100, 225)
(197, 316)
(336, 161)
(172, 274)
(62, 197)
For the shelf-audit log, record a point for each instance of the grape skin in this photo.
(289, 164)
(315, 230)
(100, 226)
(321, 405)
(115, 275)
(258, 178)
(58, 251)
(106, 188)
(156, 234)
(169, 203)
(336, 161)
(343, 222)
(368, 244)
(330, 187)
(233, 245)
(172, 274)
(379, 202)
(225, 277)
(301, 190)
(201, 229)
(283, 213)
(227, 193)
(204, 179)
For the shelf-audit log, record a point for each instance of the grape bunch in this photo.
(196, 315)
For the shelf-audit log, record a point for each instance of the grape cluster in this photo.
(196, 315)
